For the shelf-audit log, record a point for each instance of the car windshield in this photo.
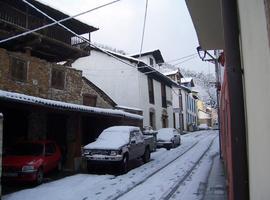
(26, 149)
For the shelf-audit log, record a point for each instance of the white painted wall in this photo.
(184, 102)
(117, 79)
(176, 105)
(146, 106)
(256, 64)
(124, 84)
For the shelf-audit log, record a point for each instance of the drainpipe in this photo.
(235, 89)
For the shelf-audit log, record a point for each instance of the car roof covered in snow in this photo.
(122, 128)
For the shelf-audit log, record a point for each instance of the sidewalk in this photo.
(216, 185)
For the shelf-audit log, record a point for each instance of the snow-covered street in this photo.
(180, 173)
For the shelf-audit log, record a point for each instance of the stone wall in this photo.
(38, 79)
(102, 99)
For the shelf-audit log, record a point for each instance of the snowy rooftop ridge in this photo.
(170, 72)
(186, 80)
(69, 106)
(130, 108)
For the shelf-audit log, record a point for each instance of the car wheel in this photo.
(39, 176)
(124, 165)
(168, 148)
(146, 155)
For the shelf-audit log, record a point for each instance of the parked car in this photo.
(117, 145)
(168, 138)
(203, 127)
(151, 135)
(29, 161)
(215, 126)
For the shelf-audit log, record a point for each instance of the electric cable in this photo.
(56, 22)
(143, 31)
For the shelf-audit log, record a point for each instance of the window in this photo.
(174, 122)
(151, 91)
(151, 61)
(58, 79)
(18, 69)
(152, 119)
(163, 96)
(89, 100)
(164, 121)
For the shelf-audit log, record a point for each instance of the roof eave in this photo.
(207, 20)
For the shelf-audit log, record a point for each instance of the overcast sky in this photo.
(168, 27)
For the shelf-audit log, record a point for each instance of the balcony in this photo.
(53, 43)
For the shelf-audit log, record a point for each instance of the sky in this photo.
(168, 27)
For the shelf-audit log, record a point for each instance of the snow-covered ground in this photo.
(184, 169)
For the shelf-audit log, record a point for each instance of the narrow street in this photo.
(180, 173)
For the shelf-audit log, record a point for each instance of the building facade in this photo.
(241, 29)
(131, 83)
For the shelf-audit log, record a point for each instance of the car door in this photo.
(132, 146)
(140, 143)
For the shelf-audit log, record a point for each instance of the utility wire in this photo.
(144, 23)
(84, 39)
(55, 22)
(186, 60)
(181, 58)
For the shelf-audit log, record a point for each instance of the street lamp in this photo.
(203, 56)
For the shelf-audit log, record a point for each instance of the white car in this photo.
(168, 138)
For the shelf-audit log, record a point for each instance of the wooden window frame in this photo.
(163, 95)
(15, 70)
(93, 97)
(58, 85)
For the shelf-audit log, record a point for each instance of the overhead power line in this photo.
(186, 60)
(174, 60)
(84, 39)
(144, 23)
(55, 22)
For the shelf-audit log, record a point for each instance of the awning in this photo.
(207, 19)
(26, 99)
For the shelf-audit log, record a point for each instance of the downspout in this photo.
(235, 89)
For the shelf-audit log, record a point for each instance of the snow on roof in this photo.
(186, 80)
(63, 105)
(128, 108)
(122, 128)
(46, 3)
(170, 72)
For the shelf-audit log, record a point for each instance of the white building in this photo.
(189, 109)
(131, 83)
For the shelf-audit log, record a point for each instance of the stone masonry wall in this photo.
(101, 102)
(38, 81)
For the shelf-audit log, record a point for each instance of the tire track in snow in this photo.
(158, 170)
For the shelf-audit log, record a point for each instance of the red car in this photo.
(28, 161)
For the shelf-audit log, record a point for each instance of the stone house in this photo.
(40, 99)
